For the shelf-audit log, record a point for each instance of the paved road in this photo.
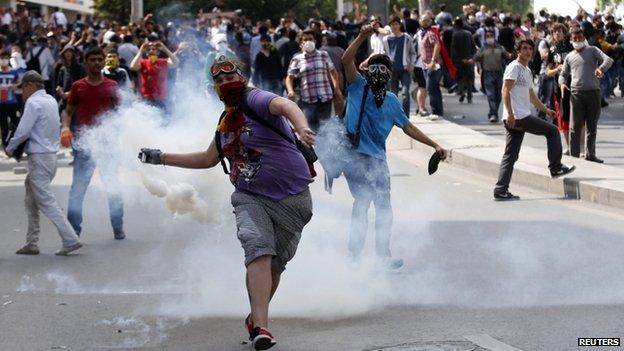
(534, 274)
(610, 141)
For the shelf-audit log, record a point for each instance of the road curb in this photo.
(479, 153)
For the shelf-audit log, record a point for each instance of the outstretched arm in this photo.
(195, 160)
(413, 132)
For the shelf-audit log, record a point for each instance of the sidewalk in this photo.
(481, 153)
(609, 143)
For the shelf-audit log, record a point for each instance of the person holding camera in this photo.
(368, 175)
(153, 71)
(271, 200)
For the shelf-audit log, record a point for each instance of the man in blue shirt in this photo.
(368, 176)
(8, 98)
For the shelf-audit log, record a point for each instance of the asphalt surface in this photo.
(535, 274)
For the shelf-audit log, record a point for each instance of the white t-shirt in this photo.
(523, 81)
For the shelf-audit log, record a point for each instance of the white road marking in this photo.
(490, 343)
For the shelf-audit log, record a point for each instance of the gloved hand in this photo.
(151, 156)
(66, 137)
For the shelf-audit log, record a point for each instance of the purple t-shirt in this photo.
(261, 161)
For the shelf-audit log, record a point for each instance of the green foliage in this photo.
(517, 7)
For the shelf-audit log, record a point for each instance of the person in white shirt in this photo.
(58, 18)
(40, 129)
(518, 95)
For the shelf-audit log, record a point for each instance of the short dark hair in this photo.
(94, 51)
(559, 27)
(5, 53)
(265, 37)
(380, 59)
(111, 49)
(127, 38)
(576, 30)
(521, 42)
(394, 19)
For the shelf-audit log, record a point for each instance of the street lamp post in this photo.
(136, 10)
(378, 7)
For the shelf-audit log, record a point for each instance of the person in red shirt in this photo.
(89, 100)
(153, 72)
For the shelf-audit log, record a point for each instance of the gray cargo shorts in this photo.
(267, 227)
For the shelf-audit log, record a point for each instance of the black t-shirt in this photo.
(506, 38)
(269, 67)
(411, 26)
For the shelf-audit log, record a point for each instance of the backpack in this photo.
(536, 61)
(33, 63)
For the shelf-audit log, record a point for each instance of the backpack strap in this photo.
(360, 117)
(217, 140)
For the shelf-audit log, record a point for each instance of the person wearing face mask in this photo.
(272, 202)
(318, 81)
(8, 97)
(492, 57)
(153, 72)
(368, 175)
(584, 66)
(113, 71)
(221, 48)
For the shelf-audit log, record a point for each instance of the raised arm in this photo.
(135, 65)
(348, 58)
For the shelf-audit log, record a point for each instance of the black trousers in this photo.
(585, 112)
(8, 120)
(515, 136)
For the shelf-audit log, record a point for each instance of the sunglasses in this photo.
(378, 67)
(223, 67)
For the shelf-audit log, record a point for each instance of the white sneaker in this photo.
(65, 250)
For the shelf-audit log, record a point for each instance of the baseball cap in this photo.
(30, 77)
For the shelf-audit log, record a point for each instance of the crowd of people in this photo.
(279, 86)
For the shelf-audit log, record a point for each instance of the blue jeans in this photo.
(316, 112)
(369, 181)
(545, 92)
(606, 83)
(405, 78)
(273, 85)
(433, 89)
(84, 166)
(493, 81)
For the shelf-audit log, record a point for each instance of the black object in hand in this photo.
(151, 156)
(433, 163)
(18, 153)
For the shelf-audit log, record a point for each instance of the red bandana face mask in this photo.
(231, 93)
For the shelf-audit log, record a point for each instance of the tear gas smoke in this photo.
(321, 282)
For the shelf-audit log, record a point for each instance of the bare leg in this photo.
(421, 98)
(274, 284)
(259, 287)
